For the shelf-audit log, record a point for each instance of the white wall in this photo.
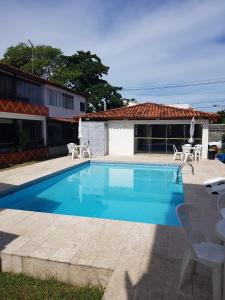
(56, 111)
(121, 137)
(8, 115)
(121, 134)
(205, 138)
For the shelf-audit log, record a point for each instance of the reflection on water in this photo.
(116, 191)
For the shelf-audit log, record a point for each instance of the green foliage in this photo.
(23, 287)
(221, 114)
(45, 58)
(82, 71)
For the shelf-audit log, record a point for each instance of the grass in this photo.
(23, 287)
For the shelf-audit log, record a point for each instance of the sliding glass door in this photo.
(161, 138)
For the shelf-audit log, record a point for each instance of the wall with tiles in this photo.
(96, 134)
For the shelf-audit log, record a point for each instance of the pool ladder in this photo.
(181, 167)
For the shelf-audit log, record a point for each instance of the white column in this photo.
(205, 138)
(44, 131)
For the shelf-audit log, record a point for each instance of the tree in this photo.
(82, 71)
(221, 115)
(43, 59)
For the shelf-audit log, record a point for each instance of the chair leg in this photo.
(185, 263)
(217, 282)
(185, 157)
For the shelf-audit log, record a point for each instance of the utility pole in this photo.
(32, 56)
(104, 104)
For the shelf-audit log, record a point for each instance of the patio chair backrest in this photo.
(175, 149)
(186, 148)
(70, 147)
(198, 147)
(84, 146)
(186, 213)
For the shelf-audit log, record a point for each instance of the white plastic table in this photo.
(192, 152)
(79, 148)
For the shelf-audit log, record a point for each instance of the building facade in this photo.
(31, 114)
(147, 128)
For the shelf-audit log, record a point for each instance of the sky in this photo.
(146, 44)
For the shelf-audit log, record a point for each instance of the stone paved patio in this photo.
(132, 260)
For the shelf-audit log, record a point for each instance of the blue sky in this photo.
(145, 43)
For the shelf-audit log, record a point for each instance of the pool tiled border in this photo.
(123, 256)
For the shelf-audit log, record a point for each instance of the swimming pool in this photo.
(146, 193)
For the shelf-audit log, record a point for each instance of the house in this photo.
(144, 128)
(34, 115)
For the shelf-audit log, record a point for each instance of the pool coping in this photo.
(115, 286)
(40, 179)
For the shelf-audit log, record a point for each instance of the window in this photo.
(82, 106)
(29, 92)
(7, 87)
(67, 101)
(34, 129)
(53, 98)
(161, 138)
(7, 131)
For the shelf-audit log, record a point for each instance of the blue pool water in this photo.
(131, 192)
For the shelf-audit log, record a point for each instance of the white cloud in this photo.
(144, 45)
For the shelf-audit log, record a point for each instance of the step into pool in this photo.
(146, 193)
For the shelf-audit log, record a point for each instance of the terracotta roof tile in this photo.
(64, 120)
(148, 111)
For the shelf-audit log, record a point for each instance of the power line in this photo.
(206, 102)
(174, 86)
(212, 106)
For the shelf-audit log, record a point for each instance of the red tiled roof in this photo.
(65, 120)
(148, 111)
(35, 78)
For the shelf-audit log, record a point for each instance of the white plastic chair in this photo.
(201, 249)
(214, 181)
(85, 150)
(217, 189)
(187, 145)
(177, 153)
(198, 152)
(75, 153)
(221, 205)
(187, 152)
(70, 148)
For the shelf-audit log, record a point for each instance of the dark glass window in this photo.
(67, 101)
(82, 106)
(53, 97)
(161, 138)
(29, 92)
(7, 87)
(34, 129)
(7, 131)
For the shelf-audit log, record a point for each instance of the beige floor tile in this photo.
(145, 257)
